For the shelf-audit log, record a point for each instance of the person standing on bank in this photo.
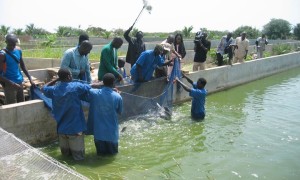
(202, 46)
(105, 106)
(198, 94)
(83, 37)
(142, 70)
(261, 43)
(241, 48)
(75, 59)
(179, 47)
(136, 46)
(11, 61)
(67, 111)
(225, 47)
(109, 59)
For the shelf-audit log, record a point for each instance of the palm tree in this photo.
(187, 31)
(18, 32)
(4, 30)
(106, 34)
(30, 29)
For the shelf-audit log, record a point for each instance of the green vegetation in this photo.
(55, 53)
(297, 31)
(281, 49)
(277, 29)
(252, 33)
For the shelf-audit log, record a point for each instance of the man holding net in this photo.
(198, 94)
(66, 98)
(144, 67)
(105, 105)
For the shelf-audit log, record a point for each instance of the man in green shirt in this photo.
(109, 59)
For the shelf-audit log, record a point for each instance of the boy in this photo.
(198, 94)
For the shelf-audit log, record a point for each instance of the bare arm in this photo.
(185, 87)
(187, 78)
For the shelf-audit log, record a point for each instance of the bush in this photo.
(281, 49)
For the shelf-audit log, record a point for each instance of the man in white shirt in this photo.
(241, 48)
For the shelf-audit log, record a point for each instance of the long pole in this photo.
(138, 16)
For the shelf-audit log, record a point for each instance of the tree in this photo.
(277, 29)
(29, 30)
(95, 31)
(297, 31)
(106, 34)
(18, 32)
(118, 32)
(186, 32)
(252, 33)
(134, 31)
(4, 30)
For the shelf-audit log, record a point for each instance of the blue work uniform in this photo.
(67, 109)
(105, 105)
(148, 62)
(198, 102)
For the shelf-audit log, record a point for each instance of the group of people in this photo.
(238, 50)
(74, 83)
(105, 104)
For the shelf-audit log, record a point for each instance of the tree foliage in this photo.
(186, 32)
(277, 29)
(4, 30)
(95, 31)
(252, 33)
(297, 31)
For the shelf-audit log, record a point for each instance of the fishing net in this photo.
(18, 160)
(155, 97)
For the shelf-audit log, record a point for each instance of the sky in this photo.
(166, 15)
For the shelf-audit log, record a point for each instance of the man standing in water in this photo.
(68, 113)
(105, 105)
(198, 93)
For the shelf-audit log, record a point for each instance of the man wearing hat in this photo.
(10, 63)
(144, 67)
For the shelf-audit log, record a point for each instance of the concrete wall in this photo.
(224, 77)
(32, 122)
(29, 121)
(39, 63)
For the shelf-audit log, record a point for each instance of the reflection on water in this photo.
(250, 132)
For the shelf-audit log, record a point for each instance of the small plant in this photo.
(213, 55)
(281, 49)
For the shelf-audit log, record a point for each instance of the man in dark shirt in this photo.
(136, 46)
(202, 46)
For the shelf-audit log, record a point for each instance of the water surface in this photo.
(250, 132)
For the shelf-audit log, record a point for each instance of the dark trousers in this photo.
(220, 59)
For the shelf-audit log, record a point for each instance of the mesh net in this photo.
(156, 99)
(19, 160)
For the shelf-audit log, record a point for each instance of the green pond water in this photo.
(250, 132)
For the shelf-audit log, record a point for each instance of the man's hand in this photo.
(32, 83)
(183, 75)
(120, 78)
